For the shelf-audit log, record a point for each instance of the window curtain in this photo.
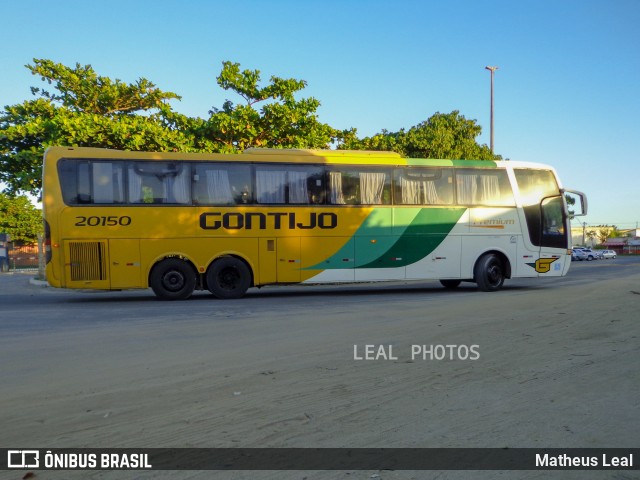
(135, 186)
(335, 186)
(418, 192)
(118, 185)
(371, 188)
(103, 182)
(298, 191)
(219, 187)
(430, 193)
(467, 188)
(410, 191)
(490, 189)
(180, 188)
(270, 186)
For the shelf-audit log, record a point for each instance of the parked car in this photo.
(578, 254)
(609, 254)
(590, 253)
(593, 254)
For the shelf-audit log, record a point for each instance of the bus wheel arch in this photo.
(229, 277)
(490, 271)
(173, 278)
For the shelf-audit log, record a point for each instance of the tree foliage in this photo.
(281, 122)
(81, 108)
(20, 218)
(606, 232)
(85, 109)
(443, 135)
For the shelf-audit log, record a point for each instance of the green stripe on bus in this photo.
(427, 231)
(424, 230)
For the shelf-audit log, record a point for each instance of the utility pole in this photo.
(492, 70)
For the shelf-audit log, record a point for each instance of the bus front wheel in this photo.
(228, 277)
(173, 279)
(489, 273)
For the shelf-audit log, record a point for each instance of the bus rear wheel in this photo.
(489, 273)
(228, 277)
(173, 279)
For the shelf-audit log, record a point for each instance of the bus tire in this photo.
(172, 279)
(489, 273)
(450, 284)
(228, 277)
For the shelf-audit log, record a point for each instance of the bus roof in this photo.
(267, 155)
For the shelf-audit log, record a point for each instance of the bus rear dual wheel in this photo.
(173, 279)
(228, 277)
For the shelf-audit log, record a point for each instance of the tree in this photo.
(281, 122)
(607, 231)
(20, 218)
(448, 135)
(86, 109)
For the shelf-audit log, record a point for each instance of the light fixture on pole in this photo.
(492, 70)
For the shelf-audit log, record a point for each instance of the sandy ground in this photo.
(557, 367)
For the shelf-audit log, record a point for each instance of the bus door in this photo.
(554, 240)
(548, 233)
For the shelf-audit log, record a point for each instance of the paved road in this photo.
(557, 367)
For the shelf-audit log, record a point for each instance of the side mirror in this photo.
(576, 203)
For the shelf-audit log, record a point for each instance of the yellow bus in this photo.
(180, 222)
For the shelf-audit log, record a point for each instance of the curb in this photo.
(38, 283)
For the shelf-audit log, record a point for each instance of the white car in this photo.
(589, 253)
(609, 254)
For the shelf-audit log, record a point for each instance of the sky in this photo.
(567, 88)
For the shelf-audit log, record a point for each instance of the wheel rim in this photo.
(173, 281)
(494, 274)
(229, 278)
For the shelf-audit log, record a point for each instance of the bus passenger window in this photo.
(423, 186)
(159, 183)
(535, 185)
(350, 187)
(294, 185)
(91, 182)
(488, 187)
(222, 184)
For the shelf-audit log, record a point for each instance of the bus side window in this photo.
(107, 182)
(86, 182)
(289, 184)
(424, 186)
(353, 187)
(488, 187)
(534, 185)
(305, 185)
(159, 183)
(222, 184)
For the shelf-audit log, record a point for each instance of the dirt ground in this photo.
(557, 367)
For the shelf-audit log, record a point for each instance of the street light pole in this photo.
(492, 70)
